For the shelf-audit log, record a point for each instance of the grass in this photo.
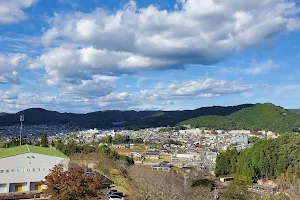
(124, 152)
(165, 158)
(121, 189)
(13, 151)
(149, 160)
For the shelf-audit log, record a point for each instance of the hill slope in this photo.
(114, 118)
(259, 117)
(2, 113)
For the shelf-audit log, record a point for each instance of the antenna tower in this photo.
(21, 127)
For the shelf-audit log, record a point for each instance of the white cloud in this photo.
(67, 64)
(208, 88)
(7, 95)
(137, 39)
(98, 86)
(13, 10)
(9, 78)
(78, 97)
(254, 69)
(9, 65)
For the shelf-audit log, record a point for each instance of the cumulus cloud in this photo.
(7, 95)
(149, 38)
(13, 10)
(161, 96)
(71, 65)
(9, 64)
(98, 86)
(9, 78)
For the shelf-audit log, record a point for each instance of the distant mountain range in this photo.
(259, 117)
(115, 118)
(2, 113)
(247, 116)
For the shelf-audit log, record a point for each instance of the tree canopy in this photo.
(72, 184)
(265, 159)
(259, 117)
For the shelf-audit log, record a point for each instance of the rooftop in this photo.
(14, 151)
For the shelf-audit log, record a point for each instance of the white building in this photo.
(23, 168)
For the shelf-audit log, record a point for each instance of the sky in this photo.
(84, 56)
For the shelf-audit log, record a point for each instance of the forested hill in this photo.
(2, 113)
(265, 159)
(115, 118)
(259, 117)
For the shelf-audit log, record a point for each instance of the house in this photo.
(162, 166)
(23, 168)
(152, 154)
(136, 154)
(240, 139)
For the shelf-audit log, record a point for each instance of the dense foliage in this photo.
(259, 117)
(121, 139)
(238, 189)
(73, 148)
(44, 141)
(265, 159)
(72, 184)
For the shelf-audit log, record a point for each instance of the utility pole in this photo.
(21, 127)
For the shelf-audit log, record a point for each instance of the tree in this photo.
(44, 141)
(106, 139)
(238, 188)
(161, 185)
(121, 139)
(291, 181)
(70, 148)
(72, 184)
(52, 143)
(59, 145)
(226, 162)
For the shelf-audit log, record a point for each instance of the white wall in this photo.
(29, 167)
(3, 188)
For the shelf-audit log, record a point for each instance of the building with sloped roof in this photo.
(23, 168)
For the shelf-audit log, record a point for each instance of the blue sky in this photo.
(83, 56)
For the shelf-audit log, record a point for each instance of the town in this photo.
(166, 149)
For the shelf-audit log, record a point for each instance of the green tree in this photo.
(238, 188)
(44, 141)
(70, 148)
(59, 145)
(226, 162)
(106, 139)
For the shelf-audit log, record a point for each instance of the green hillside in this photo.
(115, 118)
(213, 122)
(259, 117)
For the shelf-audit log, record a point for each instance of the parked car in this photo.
(116, 197)
(110, 192)
(120, 194)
